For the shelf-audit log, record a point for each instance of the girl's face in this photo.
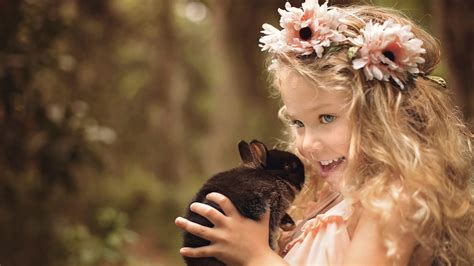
(322, 125)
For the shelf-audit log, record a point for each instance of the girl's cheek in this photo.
(299, 146)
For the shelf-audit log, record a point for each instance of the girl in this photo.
(380, 132)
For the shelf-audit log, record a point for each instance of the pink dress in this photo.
(324, 239)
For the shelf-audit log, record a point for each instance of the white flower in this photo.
(388, 50)
(305, 30)
(271, 40)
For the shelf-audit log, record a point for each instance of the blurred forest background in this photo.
(113, 113)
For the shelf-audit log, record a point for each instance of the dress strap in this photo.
(321, 208)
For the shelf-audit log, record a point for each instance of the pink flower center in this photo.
(393, 51)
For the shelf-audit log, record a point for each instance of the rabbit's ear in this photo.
(245, 153)
(259, 153)
(253, 155)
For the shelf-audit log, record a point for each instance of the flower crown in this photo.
(384, 51)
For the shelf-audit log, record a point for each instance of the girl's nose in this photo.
(312, 143)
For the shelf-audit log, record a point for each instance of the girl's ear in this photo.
(253, 155)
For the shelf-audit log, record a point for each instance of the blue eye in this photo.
(326, 119)
(296, 123)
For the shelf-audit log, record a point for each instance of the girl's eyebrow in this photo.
(317, 107)
(311, 109)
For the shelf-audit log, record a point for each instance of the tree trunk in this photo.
(226, 117)
(168, 95)
(457, 35)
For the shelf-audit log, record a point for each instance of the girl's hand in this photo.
(235, 239)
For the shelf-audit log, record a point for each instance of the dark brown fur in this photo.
(265, 179)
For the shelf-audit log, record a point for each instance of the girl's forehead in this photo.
(302, 96)
(299, 88)
(297, 84)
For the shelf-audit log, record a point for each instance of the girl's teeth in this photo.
(330, 161)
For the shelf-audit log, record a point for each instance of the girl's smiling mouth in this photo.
(330, 165)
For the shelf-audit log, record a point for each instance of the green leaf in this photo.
(351, 53)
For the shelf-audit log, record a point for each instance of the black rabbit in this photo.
(264, 179)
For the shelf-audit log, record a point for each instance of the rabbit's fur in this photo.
(265, 179)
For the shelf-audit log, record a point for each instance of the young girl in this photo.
(382, 134)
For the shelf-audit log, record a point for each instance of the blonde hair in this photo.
(410, 154)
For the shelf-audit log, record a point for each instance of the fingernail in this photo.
(214, 195)
(179, 220)
(193, 206)
(183, 250)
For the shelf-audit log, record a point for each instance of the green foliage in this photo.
(103, 244)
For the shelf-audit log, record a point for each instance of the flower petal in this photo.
(398, 81)
(359, 63)
(319, 50)
(368, 74)
(376, 72)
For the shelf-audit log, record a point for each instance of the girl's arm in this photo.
(367, 247)
(235, 240)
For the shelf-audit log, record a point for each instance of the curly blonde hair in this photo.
(410, 154)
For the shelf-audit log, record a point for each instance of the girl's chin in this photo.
(335, 185)
(333, 177)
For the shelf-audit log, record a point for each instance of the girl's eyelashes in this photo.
(326, 119)
(296, 123)
(323, 119)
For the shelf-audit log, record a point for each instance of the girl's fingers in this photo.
(212, 214)
(194, 228)
(226, 205)
(205, 251)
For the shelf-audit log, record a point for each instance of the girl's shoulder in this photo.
(322, 239)
(367, 244)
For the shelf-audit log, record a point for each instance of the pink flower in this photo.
(305, 30)
(388, 50)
